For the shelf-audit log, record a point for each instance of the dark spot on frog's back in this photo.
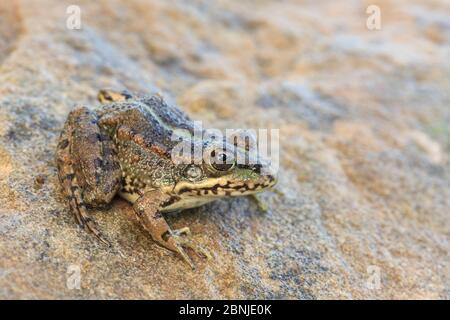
(98, 178)
(98, 162)
(157, 215)
(165, 236)
(63, 144)
(103, 137)
(93, 138)
(69, 177)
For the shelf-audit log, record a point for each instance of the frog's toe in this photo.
(185, 231)
(92, 227)
(182, 238)
(172, 242)
(82, 216)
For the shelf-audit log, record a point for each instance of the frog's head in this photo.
(224, 173)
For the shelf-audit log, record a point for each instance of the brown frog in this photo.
(125, 148)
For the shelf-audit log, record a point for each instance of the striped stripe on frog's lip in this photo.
(224, 188)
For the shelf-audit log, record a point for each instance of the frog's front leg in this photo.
(87, 168)
(147, 209)
(261, 204)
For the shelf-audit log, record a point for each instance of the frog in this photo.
(124, 147)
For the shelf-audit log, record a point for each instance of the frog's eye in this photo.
(193, 172)
(222, 160)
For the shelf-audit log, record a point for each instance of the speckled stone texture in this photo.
(365, 142)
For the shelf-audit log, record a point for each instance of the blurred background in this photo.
(358, 89)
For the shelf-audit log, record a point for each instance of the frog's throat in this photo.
(220, 187)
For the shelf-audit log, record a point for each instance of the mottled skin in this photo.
(124, 148)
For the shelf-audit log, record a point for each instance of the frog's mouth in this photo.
(220, 187)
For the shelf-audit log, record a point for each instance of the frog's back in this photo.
(170, 115)
(148, 116)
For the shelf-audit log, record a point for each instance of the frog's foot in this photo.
(92, 227)
(172, 241)
(78, 207)
(183, 238)
(262, 205)
(82, 216)
(146, 209)
(178, 241)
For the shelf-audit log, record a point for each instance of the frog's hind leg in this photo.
(86, 167)
(108, 96)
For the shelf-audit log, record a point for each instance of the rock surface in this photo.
(364, 117)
